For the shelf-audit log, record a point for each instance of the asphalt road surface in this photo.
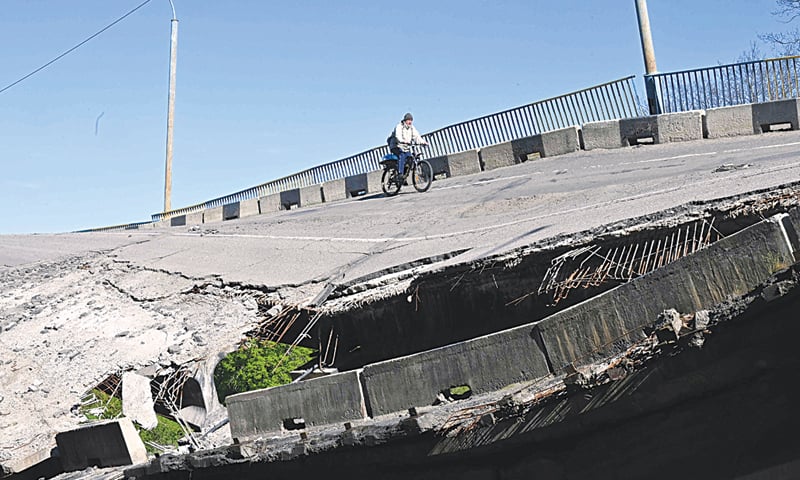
(477, 215)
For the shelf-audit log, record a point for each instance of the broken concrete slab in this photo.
(102, 444)
(137, 400)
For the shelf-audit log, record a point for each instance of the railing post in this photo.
(653, 102)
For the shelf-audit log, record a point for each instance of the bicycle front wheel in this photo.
(389, 182)
(423, 176)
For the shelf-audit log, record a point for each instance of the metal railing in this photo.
(608, 101)
(727, 85)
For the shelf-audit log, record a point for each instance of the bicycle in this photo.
(420, 170)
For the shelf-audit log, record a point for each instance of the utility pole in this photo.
(649, 57)
(173, 53)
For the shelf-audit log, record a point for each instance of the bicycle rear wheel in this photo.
(422, 176)
(389, 183)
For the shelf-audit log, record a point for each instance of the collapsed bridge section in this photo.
(537, 338)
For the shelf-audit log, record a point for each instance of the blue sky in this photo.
(266, 89)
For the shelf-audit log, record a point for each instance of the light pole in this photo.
(173, 53)
(649, 56)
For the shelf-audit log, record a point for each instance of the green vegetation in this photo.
(106, 407)
(258, 364)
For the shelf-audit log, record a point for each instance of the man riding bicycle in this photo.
(402, 137)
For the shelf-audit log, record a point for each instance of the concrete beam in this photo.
(609, 323)
(334, 190)
(102, 444)
(768, 114)
(319, 401)
(484, 364)
(456, 164)
(728, 121)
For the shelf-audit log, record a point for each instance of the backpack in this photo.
(389, 139)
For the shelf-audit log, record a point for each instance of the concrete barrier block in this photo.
(456, 164)
(230, 211)
(680, 127)
(178, 221)
(290, 199)
(508, 153)
(548, 144)
(103, 444)
(605, 134)
(484, 364)
(560, 142)
(728, 121)
(609, 323)
(319, 401)
(664, 128)
(356, 185)
(269, 203)
(374, 181)
(768, 114)
(311, 195)
(334, 190)
(249, 208)
(211, 215)
(194, 218)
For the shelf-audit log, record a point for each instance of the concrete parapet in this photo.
(548, 144)
(230, 211)
(456, 164)
(484, 364)
(334, 190)
(728, 121)
(319, 401)
(664, 128)
(211, 215)
(767, 114)
(289, 199)
(269, 203)
(249, 208)
(102, 444)
(609, 323)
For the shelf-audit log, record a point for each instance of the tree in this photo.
(785, 43)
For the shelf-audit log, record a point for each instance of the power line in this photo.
(74, 48)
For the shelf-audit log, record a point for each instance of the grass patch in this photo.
(258, 364)
(106, 407)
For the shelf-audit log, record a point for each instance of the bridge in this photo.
(398, 292)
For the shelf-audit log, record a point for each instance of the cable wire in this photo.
(74, 48)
